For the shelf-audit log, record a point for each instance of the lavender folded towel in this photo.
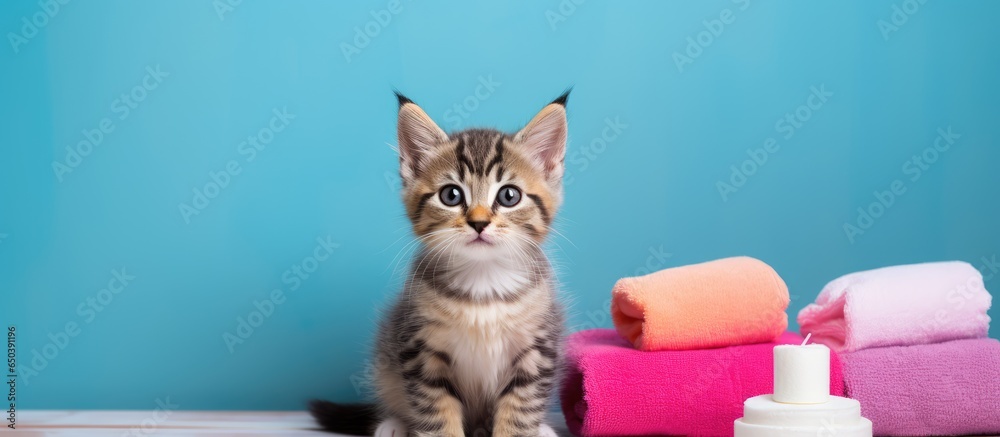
(899, 306)
(950, 388)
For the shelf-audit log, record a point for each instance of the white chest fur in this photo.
(483, 340)
(492, 278)
(484, 333)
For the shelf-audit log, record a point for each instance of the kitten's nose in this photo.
(478, 218)
(479, 225)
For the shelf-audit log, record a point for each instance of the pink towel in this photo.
(612, 389)
(950, 388)
(899, 306)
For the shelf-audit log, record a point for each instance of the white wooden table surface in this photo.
(90, 423)
(86, 423)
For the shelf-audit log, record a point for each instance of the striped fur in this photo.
(472, 346)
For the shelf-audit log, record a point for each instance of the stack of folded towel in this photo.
(692, 343)
(914, 349)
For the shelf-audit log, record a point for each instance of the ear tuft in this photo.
(561, 100)
(544, 139)
(418, 137)
(402, 99)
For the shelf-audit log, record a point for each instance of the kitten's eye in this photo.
(508, 196)
(451, 195)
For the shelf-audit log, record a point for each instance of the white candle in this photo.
(801, 404)
(801, 374)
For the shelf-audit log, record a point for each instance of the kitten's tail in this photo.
(352, 419)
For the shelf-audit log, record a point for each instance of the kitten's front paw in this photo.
(547, 431)
(392, 427)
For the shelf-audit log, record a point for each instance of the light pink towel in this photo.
(898, 306)
(612, 389)
(950, 388)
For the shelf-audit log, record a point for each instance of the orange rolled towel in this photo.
(719, 303)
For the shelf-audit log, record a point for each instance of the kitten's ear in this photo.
(545, 137)
(418, 135)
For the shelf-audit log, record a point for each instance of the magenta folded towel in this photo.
(950, 388)
(612, 389)
(899, 306)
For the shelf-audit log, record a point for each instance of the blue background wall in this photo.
(646, 197)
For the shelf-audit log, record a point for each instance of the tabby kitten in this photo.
(472, 346)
